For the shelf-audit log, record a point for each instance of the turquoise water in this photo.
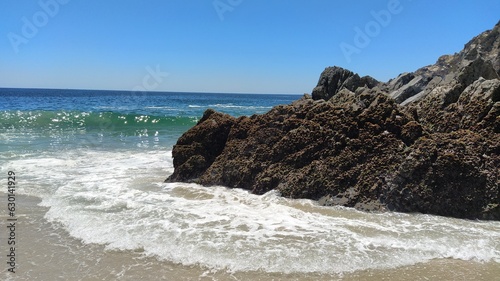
(39, 119)
(93, 204)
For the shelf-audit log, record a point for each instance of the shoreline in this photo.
(45, 248)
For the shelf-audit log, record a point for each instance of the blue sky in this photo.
(251, 46)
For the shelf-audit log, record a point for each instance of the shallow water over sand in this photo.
(47, 252)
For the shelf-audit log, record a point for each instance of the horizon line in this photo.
(146, 92)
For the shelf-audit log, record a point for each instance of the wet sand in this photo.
(46, 252)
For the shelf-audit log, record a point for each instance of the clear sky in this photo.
(252, 46)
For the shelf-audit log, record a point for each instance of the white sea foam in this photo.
(118, 198)
(162, 107)
(230, 105)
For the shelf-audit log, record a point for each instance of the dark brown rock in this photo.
(447, 108)
(448, 174)
(197, 149)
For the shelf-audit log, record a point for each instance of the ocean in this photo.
(91, 204)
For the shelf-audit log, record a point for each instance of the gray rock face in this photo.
(479, 58)
(334, 79)
(408, 90)
(400, 81)
(427, 141)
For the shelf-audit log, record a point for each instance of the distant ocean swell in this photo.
(88, 121)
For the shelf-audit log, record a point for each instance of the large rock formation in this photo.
(427, 141)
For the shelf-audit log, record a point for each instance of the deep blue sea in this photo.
(92, 204)
(59, 119)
